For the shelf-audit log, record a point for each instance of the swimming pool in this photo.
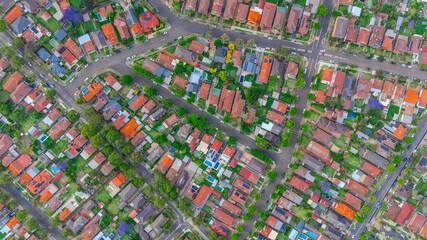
(241, 78)
(43, 138)
(55, 169)
(302, 236)
(64, 179)
(84, 90)
(312, 235)
(159, 127)
(216, 165)
(210, 179)
(202, 42)
(99, 17)
(197, 71)
(208, 163)
(204, 76)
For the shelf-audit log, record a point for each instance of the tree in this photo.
(286, 143)
(73, 116)
(5, 179)
(290, 124)
(88, 4)
(258, 197)
(127, 80)
(222, 75)
(184, 205)
(158, 201)
(316, 26)
(128, 148)
(158, 181)
(397, 160)
(32, 224)
(246, 217)
(138, 182)
(250, 43)
(263, 215)
(336, 14)
(274, 196)
(391, 168)
(41, 233)
(283, 51)
(12, 205)
(272, 175)
(366, 209)
(409, 140)
(401, 182)
(232, 140)
(224, 38)
(16, 62)
(135, 158)
(259, 225)
(181, 111)
(88, 112)
(148, 191)
(293, 111)
(151, 91)
(98, 141)
(198, 220)
(168, 103)
(235, 236)
(3, 25)
(130, 173)
(96, 120)
(4, 198)
(22, 215)
(79, 101)
(252, 209)
(209, 35)
(115, 159)
(73, 16)
(252, 94)
(322, 10)
(18, 43)
(50, 94)
(300, 83)
(381, 58)
(239, 43)
(88, 130)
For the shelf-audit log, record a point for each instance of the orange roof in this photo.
(327, 75)
(180, 82)
(68, 57)
(344, 210)
(254, 17)
(320, 97)
(89, 47)
(202, 196)
(64, 214)
(72, 47)
(423, 99)
(279, 106)
(137, 29)
(45, 196)
(400, 132)
(20, 164)
(129, 129)
(25, 178)
(13, 81)
(109, 33)
(103, 12)
(13, 14)
(138, 102)
(423, 232)
(39, 182)
(299, 184)
(228, 151)
(165, 60)
(119, 180)
(165, 164)
(411, 97)
(12, 223)
(275, 117)
(267, 62)
(90, 91)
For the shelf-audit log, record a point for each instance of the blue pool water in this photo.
(351, 115)
(99, 16)
(302, 236)
(63, 179)
(202, 42)
(43, 138)
(219, 188)
(210, 179)
(54, 169)
(197, 71)
(159, 127)
(84, 90)
(204, 76)
(216, 165)
(208, 163)
(312, 235)
(242, 78)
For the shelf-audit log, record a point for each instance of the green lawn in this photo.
(112, 207)
(52, 10)
(30, 120)
(76, 164)
(272, 83)
(75, 4)
(59, 147)
(339, 143)
(301, 213)
(52, 25)
(391, 111)
(103, 196)
(91, 27)
(353, 160)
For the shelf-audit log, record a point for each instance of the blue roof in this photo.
(43, 54)
(60, 34)
(123, 228)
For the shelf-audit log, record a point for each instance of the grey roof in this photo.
(31, 5)
(272, 138)
(149, 211)
(128, 192)
(138, 202)
(21, 24)
(158, 114)
(182, 179)
(158, 223)
(76, 226)
(221, 53)
(312, 163)
(156, 154)
(332, 233)
(341, 27)
(99, 38)
(185, 54)
(43, 54)
(57, 69)
(131, 18)
(257, 165)
(60, 34)
(375, 159)
(249, 65)
(350, 85)
(278, 67)
(140, 230)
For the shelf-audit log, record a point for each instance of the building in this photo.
(91, 90)
(267, 18)
(265, 69)
(389, 40)
(148, 21)
(217, 7)
(377, 36)
(203, 196)
(109, 33)
(292, 70)
(242, 12)
(340, 27)
(305, 23)
(230, 9)
(405, 213)
(293, 19)
(415, 44)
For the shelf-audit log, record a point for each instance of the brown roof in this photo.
(416, 222)
(150, 66)
(13, 81)
(275, 117)
(268, 15)
(353, 201)
(20, 92)
(165, 60)
(399, 92)
(363, 38)
(4, 63)
(319, 151)
(224, 217)
(242, 12)
(356, 188)
(279, 20)
(292, 20)
(54, 114)
(238, 106)
(180, 82)
(204, 91)
(351, 31)
(204, 6)
(5, 144)
(191, 4)
(149, 105)
(321, 136)
(217, 7)
(423, 58)
(415, 44)
(377, 36)
(197, 47)
(363, 88)
(230, 9)
(226, 99)
(237, 58)
(292, 68)
(392, 212)
(401, 44)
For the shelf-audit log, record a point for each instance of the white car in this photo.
(86, 79)
(96, 60)
(86, 65)
(293, 53)
(270, 38)
(323, 50)
(267, 48)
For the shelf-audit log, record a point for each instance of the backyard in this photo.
(30, 120)
(76, 164)
(59, 146)
(103, 196)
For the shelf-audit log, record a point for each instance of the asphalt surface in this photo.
(35, 212)
(182, 27)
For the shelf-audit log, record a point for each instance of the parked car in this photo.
(130, 47)
(51, 85)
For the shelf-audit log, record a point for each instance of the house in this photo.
(14, 14)
(389, 40)
(180, 82)
(204, 6)
(5, 144)
(97, 160)
(20, 93)
(123, 229)
(133, 22)
(137, 101)
(242, 12)
(69, 59)
(158, 223)
(191, 4)
(279, 19)
(129, 130)
(112, 81)
(305, 23)
(148, 21)
(343, 210)
(76, 223)
(268, 233)
(255, 14)
(299, 184)
(224, 217)
(150, 66)
(226, 99)
(268, 16)
(148, 106)
(400, 132)
(203, 196)
(415, 44)
(52, 117)
(72, 133)
(242, 186)
(363, 88)
(377, 36)
(265, 69)
(59, 127)
(128, 192)
(170, 121)
(138, 139)
(48, 192)
(99, 39)
(352, 30)
(292, 70)
(293, 19)
(75, 147)
(110, 34)
(102, 16)
(416, 222)
(401, 44)
(275, 117)
(353, 201)
(122, 29)
(114, 186)
(111, 108)
(4, 64)
(106, 168)
(165, 163)
(17, 166)
(166, 61)
(363, 37)
(405, 213)
(238, 106)
(13, 81)
(91, 90)
(73, 48)
(43, 103)
(154, 153)
(101, 100)
(88, 151)
(340, 27)
(356, 188)
(39, 182)
(249, 175)
(404, 192)
(362, 178)
(148, 212)
(217, 7)
(230, 9)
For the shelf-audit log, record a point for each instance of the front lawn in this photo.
(75, 4)
(112, 207)
(30, 120)
(76, 164)
(103, 196)
(59, 146)
(302, 213)
(52, 25)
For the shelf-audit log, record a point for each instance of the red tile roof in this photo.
(299, 184)
(91, 90)
(226, 99)
(204, 91)
(41, 104)
(165, 60)
(196, 47)
(224, 217)
(148, 21)
(137, 104)
(59, 127)
(363, 88)
(13, 14)
(267, 62)
(411, 97)
(180, 82)
(122, 29)
(171, 120)
(353, 201)
(203, 196)
(242, 12)
(68, 57)
(343, 210)
(416, 222)
(4, 64)
(268, 15)
(405, 213)
(109, 33)
(13, 81)
(217, 7)
(72, 47)
(363, 38)
(356, 188)
(400, 132)
(238, 106)
(249, 175)
(275, 117)
(242, 186)
(129, 129)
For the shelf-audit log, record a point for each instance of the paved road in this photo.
(385, 188)
(35, 212)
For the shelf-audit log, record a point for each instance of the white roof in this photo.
(84, 39)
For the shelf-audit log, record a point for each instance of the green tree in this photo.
(391, 168)
(366, 209)
(168, 103)
(138, 182)
(79, 101)
(51, 94)
(274, 196)
(73, 116)
(322, 10)
(141, 38)
(290, 124)
(198, 220)
(99, 141)
(224, 38)
(18, 43)
(115, 159)
(409, 140)
(184, 205)
(300, 83)
(41, 233)
(22, 215)
(246, 217)
(16, 62)
(258, 197)
(88, 130)
(112, 136)
(5, 179)
(96, 120)
(128, 148)
(12, 205)
(135, 158)
(151, 91)
(316, 26)
(259, 225)
(397, 160)
(239, 43)
(127, 80)
(130, 173)
(250, 43)
(272, 175)
(235, 236)
(158, 181)
(88, 112)
(88, 4)
(181, 111)
(252, 209)
(283, 51)
(4, 197)
(32, 224)
(263, 215)
(401, 182)
(3, 25)
(232, 140)
(252, 94)
(293, 111)
(159, 202)
(222, 75)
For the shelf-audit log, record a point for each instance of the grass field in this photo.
(112, 207)
(30, 120)
(59, 147)
(77, 164)
(353, 161)
(103, 196)
(391, 111)
(52, 25)
(75, 4)
(91, 26)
